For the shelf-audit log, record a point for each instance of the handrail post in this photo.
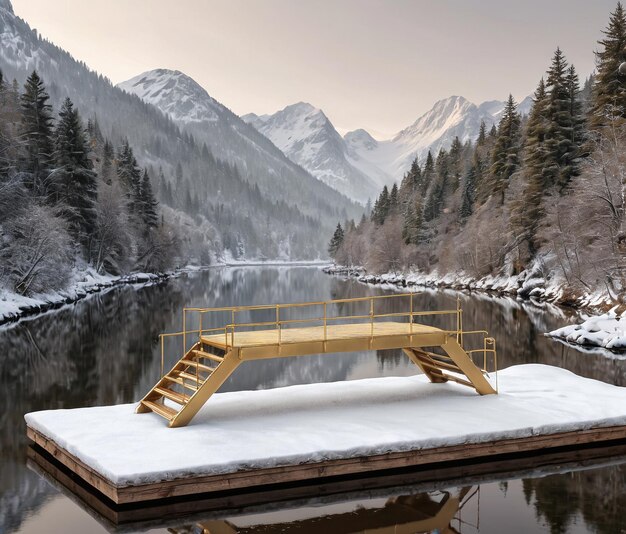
(411, 315)
(484, 353)
(232, 320)
(200, 327)
(325, 337)
(184, 331)
(372, 317)
(278, 322)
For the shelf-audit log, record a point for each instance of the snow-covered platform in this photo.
(298, 433)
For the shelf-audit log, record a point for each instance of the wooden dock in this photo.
(215, 506)
(335, 326)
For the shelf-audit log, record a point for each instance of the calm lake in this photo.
(104, 350)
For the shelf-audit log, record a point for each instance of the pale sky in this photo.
(370, 64)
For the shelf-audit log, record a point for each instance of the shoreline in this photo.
(17, 307)
(528, 286)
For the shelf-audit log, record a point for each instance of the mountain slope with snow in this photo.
(307, 137)
(233, 173)
(190, 106)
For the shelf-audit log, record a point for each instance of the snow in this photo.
(307, 137)
(607, 330)
(316, 422)
(174, 93)
(84, 281)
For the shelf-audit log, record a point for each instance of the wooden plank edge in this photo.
(251, 478)
(92, 477)
(143, 516)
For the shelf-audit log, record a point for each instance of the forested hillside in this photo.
(541, 194)
(220, 208)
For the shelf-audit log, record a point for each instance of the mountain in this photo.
(190, 106)
(307, 137)
(235, 179)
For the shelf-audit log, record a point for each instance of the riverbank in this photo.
(14, 307)
(86, 282)
(529, 285)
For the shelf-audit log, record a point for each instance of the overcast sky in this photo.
(368, 64)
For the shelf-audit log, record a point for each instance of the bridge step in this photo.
(200, 366)
(179, 398)
(208, 356)
(192, 377)
(160, 409)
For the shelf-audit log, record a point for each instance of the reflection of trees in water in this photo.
(598, 496)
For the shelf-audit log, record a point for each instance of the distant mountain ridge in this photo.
(307, 136)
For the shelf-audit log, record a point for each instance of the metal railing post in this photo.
(232, 321)
(184, 331)
(411, 315)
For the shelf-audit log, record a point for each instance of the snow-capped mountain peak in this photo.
(360, 139)
(305, 135)
(176, 94)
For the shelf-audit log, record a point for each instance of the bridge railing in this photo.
(325, 318)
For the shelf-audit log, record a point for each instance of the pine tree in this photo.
(381, 207)
(528, 211)
(433, 204)
(106, 168)
(562, 150)
(506, 151)
(482, 134)
(129, 175)
(576, 110)
(336, 241)
(469, 195)
(412, 223)
(37, 134)
(148, 204)
(393, 199)
(454, 162)
(75, 184)
(609, 90)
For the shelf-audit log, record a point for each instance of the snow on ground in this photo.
(529, 284)
(315, 422)
(84, 281)
(607, 330)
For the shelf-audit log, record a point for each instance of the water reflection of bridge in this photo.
(408, 496)
(437, 511)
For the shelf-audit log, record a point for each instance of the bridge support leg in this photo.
(434, 375)
(469, 368)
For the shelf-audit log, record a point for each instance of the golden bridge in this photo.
(335, 326)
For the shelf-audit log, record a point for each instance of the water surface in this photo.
(104, 350)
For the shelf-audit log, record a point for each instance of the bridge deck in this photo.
(273, 336)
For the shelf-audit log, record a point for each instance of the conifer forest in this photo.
(542, 192)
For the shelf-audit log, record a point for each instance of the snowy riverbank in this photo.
(606, 331)
(84, 282)
(87, 281)
(529, 285)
